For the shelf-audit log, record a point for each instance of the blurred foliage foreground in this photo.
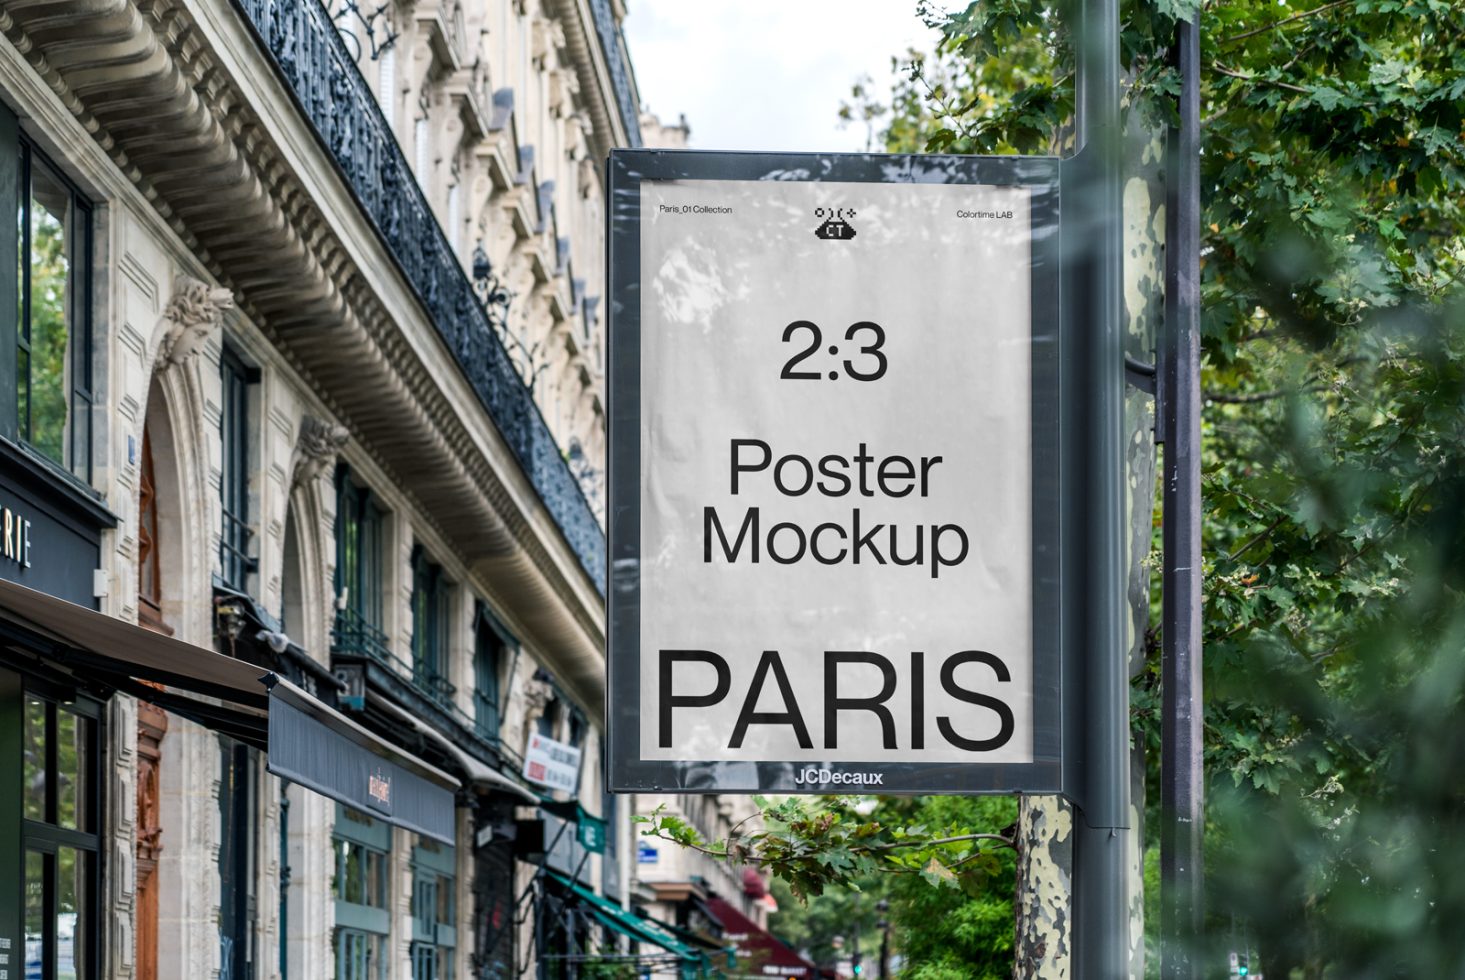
(1333, 180)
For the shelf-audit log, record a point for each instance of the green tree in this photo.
(824, 927)
(1333, 175)
(951, 933)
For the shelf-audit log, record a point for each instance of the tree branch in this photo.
(1254, 397)
(917, 842)
(1232, 73)
(1285, 20)
(1256, 538)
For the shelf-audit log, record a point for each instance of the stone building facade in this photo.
(309, 379)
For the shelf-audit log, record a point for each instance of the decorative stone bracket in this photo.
(316, 450)
(194, 313)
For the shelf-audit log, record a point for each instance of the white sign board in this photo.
(550, 763)
(836, 481)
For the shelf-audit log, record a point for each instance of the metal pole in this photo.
(1094, 244)
(284, 934)
(1181, 764)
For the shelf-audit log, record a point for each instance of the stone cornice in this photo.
(178, 110)
(584, 40)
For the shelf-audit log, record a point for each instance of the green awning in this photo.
(617, 919)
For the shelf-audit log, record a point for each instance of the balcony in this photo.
(358, 647)
(353, 635)
(300, 40)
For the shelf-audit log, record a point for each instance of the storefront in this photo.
(52, 730)
(759, 953)
(59, 664)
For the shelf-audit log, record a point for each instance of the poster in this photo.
(835, 486)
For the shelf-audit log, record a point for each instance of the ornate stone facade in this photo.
(297, 212)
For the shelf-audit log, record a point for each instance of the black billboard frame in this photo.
(1056, 698)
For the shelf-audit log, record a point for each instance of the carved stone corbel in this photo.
(194, 313)
(316, 449)
(536, 695)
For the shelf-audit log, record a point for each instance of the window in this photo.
(386, 86)
(362, 849)
(488, 654)
(547, 722)
(421, 151)
(358, 570)
(53, 390)
(234, 429)
(434, 905)
(578, 727)
(238, 859)
(430, 627)
(60, 760)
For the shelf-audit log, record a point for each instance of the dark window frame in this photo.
(76, 458)
(47, 836)
(434, 942)
(491, 647)
(235, 534)
(239, 859)
(359, 567)
(431, 619)
(353, 934)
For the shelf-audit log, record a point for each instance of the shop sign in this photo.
(379, 790)
(552, 764)
(590, 832)
(834, 507)
(48, 536)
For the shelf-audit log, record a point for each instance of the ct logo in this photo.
(836, 227)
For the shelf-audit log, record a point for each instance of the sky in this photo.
(766, 74)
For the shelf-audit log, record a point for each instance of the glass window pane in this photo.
(50, 312)
(35, 912)
(72, 765)
(445, 900)
(81, 438)
(34, 805)
(376, 880)
(20, 257)
(72, 927)
(355, 874)
(23, 389)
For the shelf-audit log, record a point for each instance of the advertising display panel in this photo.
(834, 406)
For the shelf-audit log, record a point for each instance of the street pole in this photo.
(883, 907)
(1181, 763)
(1094, 246)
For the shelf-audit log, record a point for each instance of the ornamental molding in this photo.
(194, 313)
(536, 696)
(316, 449)
(147, 80)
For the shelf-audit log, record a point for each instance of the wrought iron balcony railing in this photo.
(354, 635)
(302, 42)
(436, 687)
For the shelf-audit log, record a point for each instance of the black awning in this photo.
(308, 742)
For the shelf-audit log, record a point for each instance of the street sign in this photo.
(590, 832)
(550, 763)
(834, 448)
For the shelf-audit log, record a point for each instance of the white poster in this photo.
(836, 485)
(550, 763)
